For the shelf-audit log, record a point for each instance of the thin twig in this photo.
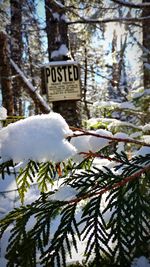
(108, 20)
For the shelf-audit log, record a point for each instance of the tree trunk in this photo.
(57, 31)
(5, 75)
(146, 56)
(146, 44)
(16, 51)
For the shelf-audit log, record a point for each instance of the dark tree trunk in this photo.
(146, 44)
(57, 31)
(146, 56)
(16, 51)
(5, 75)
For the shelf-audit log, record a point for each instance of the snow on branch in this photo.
(107, 20)
(37, 98)
(58, 4)
(141, 46)
(39, 138)
(130, 4)
(111, 138)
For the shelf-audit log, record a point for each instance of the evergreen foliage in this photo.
(114, 234)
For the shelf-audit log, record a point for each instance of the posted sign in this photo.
(62, 80)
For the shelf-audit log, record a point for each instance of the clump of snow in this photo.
(60, 62)
(124, 105)
(120, 145)
(39, 138)
(146, 138)
(64, 193)
(59, 4)
(118, 123)
(87, 143)
(140, 93)
(144, 150)
(146, 127)
(56, 16)
(147, 91)
(102, 163)
(62, 51)
(104, 104)
(97, 143)
(121, 135)
(92, 121)
(136, 134)
(64, 17)
(58, 38)
(140, 262)
(147, 66)
(81, 143)
(127, 105)
(3, 113)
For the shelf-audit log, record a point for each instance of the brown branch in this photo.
(114, 139)
(108, 188)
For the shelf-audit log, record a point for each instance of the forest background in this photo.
(110, 40)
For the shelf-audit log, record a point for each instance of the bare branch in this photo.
(100, 21)
(131, 5)
(31, 90)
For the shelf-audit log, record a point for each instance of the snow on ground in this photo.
(3, 113)
(140, 262)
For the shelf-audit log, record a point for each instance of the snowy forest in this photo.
(74, 133)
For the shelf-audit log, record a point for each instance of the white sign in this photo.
(63, 81)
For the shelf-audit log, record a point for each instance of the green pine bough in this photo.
(114, 233)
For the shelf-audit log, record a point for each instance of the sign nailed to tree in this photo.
(62, 80)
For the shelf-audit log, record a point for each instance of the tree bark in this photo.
(57, 33)
(146, 44)
(5, 75)
(16, 51)
(146, 57)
